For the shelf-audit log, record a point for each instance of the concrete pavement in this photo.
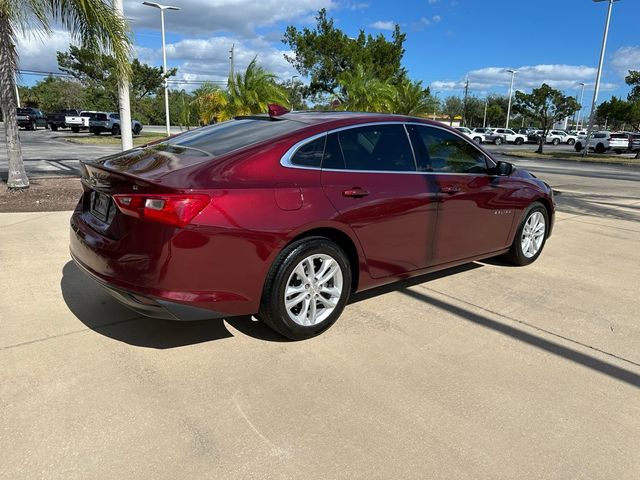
(487, 371)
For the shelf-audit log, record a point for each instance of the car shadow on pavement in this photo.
(94, 307)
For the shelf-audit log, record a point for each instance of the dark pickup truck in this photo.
(57, 120)
(31, 118)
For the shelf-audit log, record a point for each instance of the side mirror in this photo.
(503, 169)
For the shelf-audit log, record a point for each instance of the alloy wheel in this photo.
(313, 289)
(533, 234)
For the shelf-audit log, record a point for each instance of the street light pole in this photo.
(293, 88)
(513, 74)
(162, 8)
(484, 121)
(599, 74)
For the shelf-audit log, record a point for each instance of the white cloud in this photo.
(431, 20)
(38, 52)
(625, 59)
(241, 17)
(350, 5)
(563, 77)
(383, 25)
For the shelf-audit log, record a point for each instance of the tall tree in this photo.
(547, 106)
(410, 98)
(92, 23)
(452, 108)
(326, 52)
(361, 91)
(633, 80)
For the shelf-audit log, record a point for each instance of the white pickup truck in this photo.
(79, 122)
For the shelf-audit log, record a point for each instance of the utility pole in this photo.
(231, 71)
(484, 121)
(513, 74)
(464, 106)
(126, 136)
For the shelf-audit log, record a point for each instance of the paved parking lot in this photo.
(484, 371)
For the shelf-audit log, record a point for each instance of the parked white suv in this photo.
(604, 141)
(500, 135)
(475, 136)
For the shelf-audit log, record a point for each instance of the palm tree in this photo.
(251, 91)
(247, 93)
(409, 98)
(362, 92)
(91, 23)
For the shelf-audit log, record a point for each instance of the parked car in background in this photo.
(634, 142)
(525, 131)
(57, 120)
(110, 122)
(505, 135)
(484, 130)
(601, 142)
(285, 219)
(31, 118)
(475, 136)
(79, 122)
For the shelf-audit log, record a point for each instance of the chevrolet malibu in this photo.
(285, 215)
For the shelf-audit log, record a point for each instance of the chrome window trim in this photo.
(285, 160)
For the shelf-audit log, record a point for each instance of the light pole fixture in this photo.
(513, 74)
(162, 8)
(599, 74)
(293, 88)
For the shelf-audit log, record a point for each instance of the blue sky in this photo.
(557, 41)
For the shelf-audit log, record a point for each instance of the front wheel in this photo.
(115, 130)
(556, 141)
(519, 141)
(54, 128)
(571, 141)
(600, 148)
(306, 289)
(578, 147)
(75, 129)
(498, 140)
(478, 140)
(530, 236)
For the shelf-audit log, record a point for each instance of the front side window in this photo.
(438, 150)
(374, 147)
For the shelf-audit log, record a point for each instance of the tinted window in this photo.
(600, 135)
(98, 116)
(440, 151)
(115, 115)
(225, 137)
(310, 155)
(376, 147)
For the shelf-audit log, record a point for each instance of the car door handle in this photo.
(355, 192)
(450, 189)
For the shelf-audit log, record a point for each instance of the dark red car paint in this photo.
(407, 224)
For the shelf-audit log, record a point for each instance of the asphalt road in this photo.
(483, 371)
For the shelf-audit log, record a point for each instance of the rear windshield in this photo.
(619, 135)
(23, 111)
(226, 137)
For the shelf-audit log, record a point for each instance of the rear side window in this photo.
(310, 154)
(225, 137)
(440, 151)
(370, 148)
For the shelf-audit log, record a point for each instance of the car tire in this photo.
(530, 237)
(137, 129)
(519, 141)
(306, 314)
(54, 128)
(33, 126)
(95, 131)
(555, 141)
(75, 129)
(498, 140)
(115, 130)
(571, 141)
(600, 148)
(578, 147)
(478, 140)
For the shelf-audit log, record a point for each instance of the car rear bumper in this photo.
(150, 306)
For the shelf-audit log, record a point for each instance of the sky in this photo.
(448, 41)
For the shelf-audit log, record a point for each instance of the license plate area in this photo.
(101, 206)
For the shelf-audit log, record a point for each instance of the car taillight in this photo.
(177, 210)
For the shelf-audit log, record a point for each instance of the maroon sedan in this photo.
(284, 216)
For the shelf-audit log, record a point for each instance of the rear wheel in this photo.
(54, 128)
(75, 129)
(95, 131)
(498, 140)
(478, 140)
(530, 236)
(137, 129)
(600, 148)
(556, 141)
(115, 130)
(306, 289)
(578, 147)
(571, 141)
(519, 141)
(33, 125)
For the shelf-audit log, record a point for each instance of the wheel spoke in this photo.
(328, 275)
(292, 302)
(328, 302)
(313, 308)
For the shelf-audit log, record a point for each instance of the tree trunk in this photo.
(17, 178)
(540, 144)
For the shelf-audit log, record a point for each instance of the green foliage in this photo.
(452, 107)
(361, 91)
(619, 114)
(326, 52)
(545, 105)
(633, 80)
(410, 98)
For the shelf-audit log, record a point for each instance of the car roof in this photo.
(327, 118)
